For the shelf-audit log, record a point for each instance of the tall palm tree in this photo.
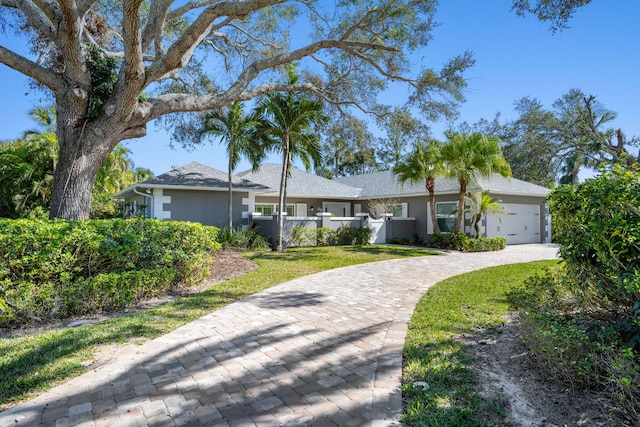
(286, 125)
(238, 132)
(423, 163)
(483, 203)
(468, 157)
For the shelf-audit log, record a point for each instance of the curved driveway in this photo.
(322, 350)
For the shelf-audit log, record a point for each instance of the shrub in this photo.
(571, 345)
(354, 236)
(64, 268)
(326, 236)
(597, 224)
(461, 242)
(304, 236)
(242, 239)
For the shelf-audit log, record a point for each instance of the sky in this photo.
(515, 57)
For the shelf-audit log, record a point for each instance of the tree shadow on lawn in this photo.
(273, 374)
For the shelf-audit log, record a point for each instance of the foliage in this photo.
(557, 12)
(103, 71)
(461, 242)
(113, 67)
(424, 163)
(39, 361)
(597, 224)
(286, 123)
(346, 148)
(324, 236)
(482, 203)
(54, 269)
(238, 132)
(434, 354)
(241, 238)
(353, 235)
(468, 157)
(402, 131)
(379, 207)
(27, 167)
(571, 344)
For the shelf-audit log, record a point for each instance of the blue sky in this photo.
(515, 57)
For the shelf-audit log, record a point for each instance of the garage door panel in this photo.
(520, 225)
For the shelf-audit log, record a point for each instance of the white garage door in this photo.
(520, 225)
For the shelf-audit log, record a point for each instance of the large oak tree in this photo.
(114, 66)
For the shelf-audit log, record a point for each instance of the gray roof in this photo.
(195, 175)
(300, 183)
(386, 184)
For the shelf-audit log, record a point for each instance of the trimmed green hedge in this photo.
(461, 242)
(55, 269)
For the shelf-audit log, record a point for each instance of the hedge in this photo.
(57, 269)
(461, 242)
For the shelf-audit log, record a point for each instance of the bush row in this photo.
(461, 242)
(55, 269)
(324, 236)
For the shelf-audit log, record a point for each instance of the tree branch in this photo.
(39, 15)
(69, 33)
(31, 69)
(181, 50)
(84, 6)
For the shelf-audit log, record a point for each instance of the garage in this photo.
(520, 225)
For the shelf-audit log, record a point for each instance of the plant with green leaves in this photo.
(482, 203)
(238, 132)
(468, 157)
(286, 125)
(597, 224)
(424, 163)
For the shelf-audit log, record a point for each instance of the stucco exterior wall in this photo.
(205, 207)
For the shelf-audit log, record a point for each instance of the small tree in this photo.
(286, 125)
(482, 204)
(469, 157)
(424, 163)
(238, 132)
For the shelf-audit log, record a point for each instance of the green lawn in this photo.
(35, 363)
(463, 304)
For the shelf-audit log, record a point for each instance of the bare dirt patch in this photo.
(510, 378)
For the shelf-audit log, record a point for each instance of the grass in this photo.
(34, 363)
(460, 305)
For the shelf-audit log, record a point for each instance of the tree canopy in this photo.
(112, 67)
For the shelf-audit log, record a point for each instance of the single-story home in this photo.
(195, 192)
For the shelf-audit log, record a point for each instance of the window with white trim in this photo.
(400, 210)
(267, 209)
(446, 214)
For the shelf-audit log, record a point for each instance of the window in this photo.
(399, 210)
(267, 209)
(446, 214)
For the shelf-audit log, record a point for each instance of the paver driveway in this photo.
(323, 350)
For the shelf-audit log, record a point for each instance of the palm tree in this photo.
(483, 203)
(238, 132)
(423, 163)
(468, 157)
(286, 125)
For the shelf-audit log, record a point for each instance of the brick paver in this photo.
(321, 350)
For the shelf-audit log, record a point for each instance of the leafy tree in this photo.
(468, 157)
(424, 163)
(28, 164)
(530, 144)
(483, 203)
(112, 67)
(403, 130)
(286, 125)
(238, 131)
(346, 149)
(557, 12)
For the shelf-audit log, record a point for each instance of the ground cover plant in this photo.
(36, 362)
(434, 355)
(57, 269)
(461, 242)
